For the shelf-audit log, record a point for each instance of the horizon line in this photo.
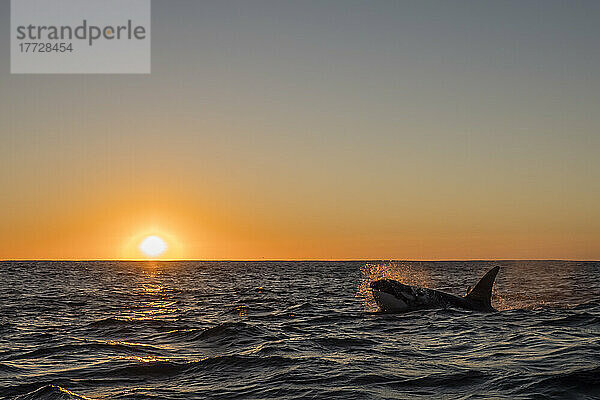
(290, 259)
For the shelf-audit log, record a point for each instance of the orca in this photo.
(393, 296)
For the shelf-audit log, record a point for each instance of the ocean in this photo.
(294, 330)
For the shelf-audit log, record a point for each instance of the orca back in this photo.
(481, 295)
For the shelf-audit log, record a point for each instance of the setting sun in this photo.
(153, 246)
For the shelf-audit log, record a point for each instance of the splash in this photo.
(409, 274)
(498, 301)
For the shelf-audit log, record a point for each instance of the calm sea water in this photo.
(298, 330)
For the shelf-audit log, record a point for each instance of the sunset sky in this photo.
(316, 130)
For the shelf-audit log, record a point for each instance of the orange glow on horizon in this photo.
(241, 226)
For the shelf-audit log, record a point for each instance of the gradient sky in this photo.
(316, 129)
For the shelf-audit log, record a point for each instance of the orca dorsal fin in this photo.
(482, 292)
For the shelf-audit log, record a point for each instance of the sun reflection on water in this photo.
(151, 295)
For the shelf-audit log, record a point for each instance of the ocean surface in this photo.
(293, 330)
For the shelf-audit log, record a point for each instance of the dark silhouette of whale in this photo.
(393, 296)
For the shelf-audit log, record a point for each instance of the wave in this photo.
(9, 369)
(587, 305)
(585, 377)
(51, 392)
(167, 367)
(462, 378)
(127, 326)
(223, 333)
(135, 370)
(567, 384)
(577, 319)
(110, 346)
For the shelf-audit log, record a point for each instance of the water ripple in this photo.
(222, 330)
